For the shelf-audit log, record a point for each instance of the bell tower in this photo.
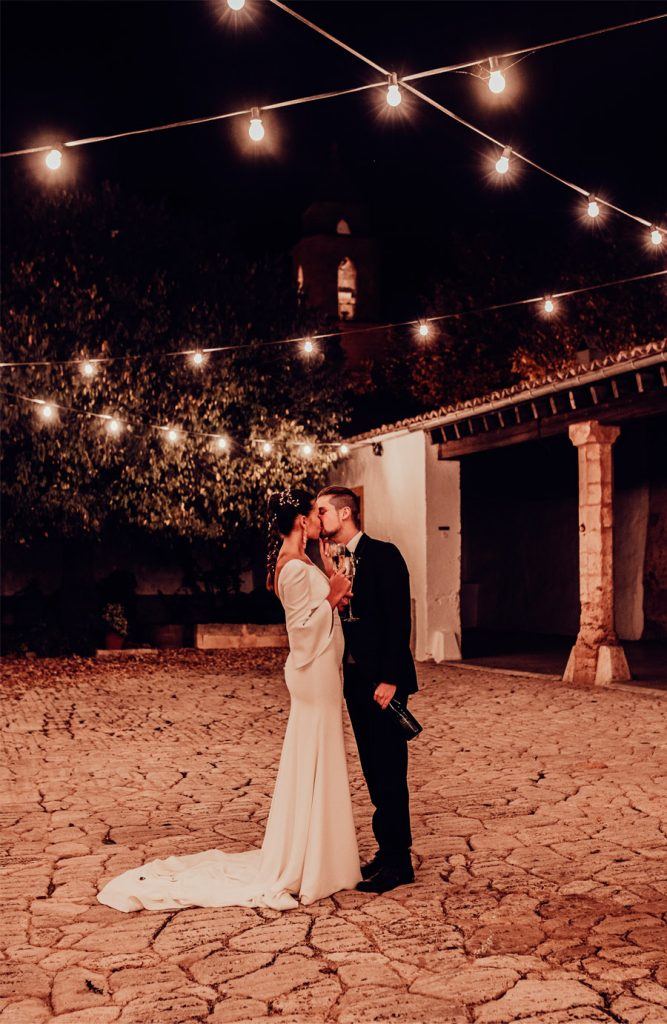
(336, 262)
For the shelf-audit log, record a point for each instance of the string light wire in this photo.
(348, 333)
(172, 433)
(343, 334)
(454, 116)
(334, 94)
(375, 85)
(527, 51)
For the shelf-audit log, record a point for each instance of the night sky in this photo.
(592, 111)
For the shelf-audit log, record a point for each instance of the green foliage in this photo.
(103, 274)
(115, 619)
(473, 355)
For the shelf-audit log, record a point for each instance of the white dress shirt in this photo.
(351, 544)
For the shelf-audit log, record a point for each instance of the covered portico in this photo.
(506, 510)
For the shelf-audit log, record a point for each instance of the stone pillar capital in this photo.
(592, 432)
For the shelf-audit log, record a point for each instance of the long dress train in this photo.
(310, 848)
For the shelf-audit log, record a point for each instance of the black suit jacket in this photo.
(379, 643)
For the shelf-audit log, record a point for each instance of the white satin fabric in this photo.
(310, 848)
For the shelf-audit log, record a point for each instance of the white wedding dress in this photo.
(310, 848)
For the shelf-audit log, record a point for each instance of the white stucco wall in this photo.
(408, 495)
(631, 512)
(443, 555)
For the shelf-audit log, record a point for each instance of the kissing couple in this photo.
(310, 848)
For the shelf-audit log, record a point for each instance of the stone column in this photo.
(597, 656)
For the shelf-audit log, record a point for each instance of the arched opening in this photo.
(343, 228)
(347, 289)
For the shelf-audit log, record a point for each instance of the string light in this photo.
(423, 330)
(88, 368)
(54, 159)
(344, 449)
(198, 358)
(256, 129)
(236, 5)
(593, 208)
(503, 161)
(496, 82)
(308, 346)
(656, 237)
(349, 332)
(549, 306)
(393, 91)
(114, 426)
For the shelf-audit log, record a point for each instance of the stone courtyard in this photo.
(539, 816)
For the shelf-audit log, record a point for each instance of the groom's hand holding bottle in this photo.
(340, 589)
(384, 693)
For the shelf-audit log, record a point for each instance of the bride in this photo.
(310, 848)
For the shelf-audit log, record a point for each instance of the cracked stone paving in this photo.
(539, 819)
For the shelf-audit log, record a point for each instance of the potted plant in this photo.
(115, 620)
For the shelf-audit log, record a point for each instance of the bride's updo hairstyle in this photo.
(282, 509)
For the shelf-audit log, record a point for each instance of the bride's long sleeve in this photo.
(309, 626)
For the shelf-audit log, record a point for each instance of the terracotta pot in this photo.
(114, 641)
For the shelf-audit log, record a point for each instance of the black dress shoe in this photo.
(371, 867)
(387, 878)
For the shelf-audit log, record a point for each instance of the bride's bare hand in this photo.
(340, 587)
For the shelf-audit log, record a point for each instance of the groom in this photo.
(377, 667)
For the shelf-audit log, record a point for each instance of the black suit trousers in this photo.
(383, 752)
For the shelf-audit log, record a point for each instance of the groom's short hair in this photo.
(343, 497)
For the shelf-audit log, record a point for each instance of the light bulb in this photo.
(496, 81)
(114, 427)
(344, 449)
(236, 5)
(393, 92)
(549, 305)
(423, 330)
(503, 161)
(593, 208)
(222, 444)
(47, 412)
(88, 368)
(306, 449)
(198, 358)
(656, 237)
(267, 447)
(308, 346)
(256, 129)
(54, 159)
(173, 435)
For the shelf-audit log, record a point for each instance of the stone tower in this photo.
(335, 260)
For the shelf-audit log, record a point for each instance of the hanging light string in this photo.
(595, 201)
(116, 425)
(246, 112)
(527, 51)
(54, 153)
(333, 94)
(308, 341)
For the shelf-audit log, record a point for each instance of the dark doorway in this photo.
(520, 568)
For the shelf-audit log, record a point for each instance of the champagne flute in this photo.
(343, 561)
